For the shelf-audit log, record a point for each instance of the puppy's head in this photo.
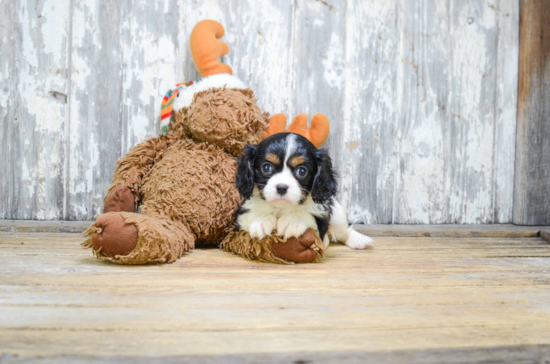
(286, 168)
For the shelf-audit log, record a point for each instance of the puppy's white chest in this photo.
(263, 216)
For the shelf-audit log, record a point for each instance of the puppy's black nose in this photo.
(281, 189)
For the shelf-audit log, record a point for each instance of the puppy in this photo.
(289, 186)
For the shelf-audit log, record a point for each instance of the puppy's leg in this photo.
(340, 231)
(295, 224)
(326, 241)
(358, 241)
(262, 226)
(258, 226)
(256, 217)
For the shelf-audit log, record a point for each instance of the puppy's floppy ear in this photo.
(324, 184)
(245, 171)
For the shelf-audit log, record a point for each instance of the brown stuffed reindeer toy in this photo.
(184, 180)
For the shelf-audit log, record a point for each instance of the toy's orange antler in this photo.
(317, 133)
(206, 48)
(277, 124)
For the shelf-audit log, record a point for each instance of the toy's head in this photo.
(227, 118)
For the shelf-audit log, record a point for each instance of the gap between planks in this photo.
(445, 230)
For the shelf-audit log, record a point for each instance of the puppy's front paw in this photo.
(262, 226)
(359, 241)
(290, 226)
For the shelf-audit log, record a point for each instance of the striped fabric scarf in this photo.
(166, 107)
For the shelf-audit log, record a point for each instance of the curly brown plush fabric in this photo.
(194, 184)
(274, 249)
(228, 118)
(120, 198)
(160, 240)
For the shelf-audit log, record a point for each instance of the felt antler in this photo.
(317, 133)
(277, 124)
(206, 48)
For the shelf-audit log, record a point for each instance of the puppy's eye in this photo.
(267, 168)
(301, 172)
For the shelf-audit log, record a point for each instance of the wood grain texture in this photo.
(456, 122)
(365, 135)
(532, 178)
(33, 107)
(422, 131)
(506, 101)
(421, 296)
(318, 65)
(421, 96)
(515, 354)
(440, 230)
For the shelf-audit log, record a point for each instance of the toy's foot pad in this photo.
(298, 250)
(114, 236)
(307, 248)
(120, 199)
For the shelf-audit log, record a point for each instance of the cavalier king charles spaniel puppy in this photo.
(289, 186)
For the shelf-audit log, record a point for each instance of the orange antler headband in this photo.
(206, 48)
(317, 132)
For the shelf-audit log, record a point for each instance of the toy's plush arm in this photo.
(317, 132)
(137, 163)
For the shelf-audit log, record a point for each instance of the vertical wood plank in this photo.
(366, 137)
(319, 41)
(7, 106)
(96, 99)
(33, 99)
(470, 141)
(123, 61)
(506, 87)
(422, 108)
(532, 179)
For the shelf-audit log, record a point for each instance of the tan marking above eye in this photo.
(273, 158)
(296, 161)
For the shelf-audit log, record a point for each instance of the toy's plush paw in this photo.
(290, 226)
(297, 250)
(120, 199)
(114, 236)
(130, 238)
(359, 241)
(307, 248)
(262, 226)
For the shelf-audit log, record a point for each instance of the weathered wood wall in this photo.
(532, 176)
(421, 96)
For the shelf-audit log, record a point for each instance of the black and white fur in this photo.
(289, 186)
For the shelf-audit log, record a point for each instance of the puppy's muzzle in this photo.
(281, 189)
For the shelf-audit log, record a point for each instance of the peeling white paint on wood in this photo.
(421, 96)
(33, 112)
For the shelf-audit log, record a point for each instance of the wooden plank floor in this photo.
(424, 299)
